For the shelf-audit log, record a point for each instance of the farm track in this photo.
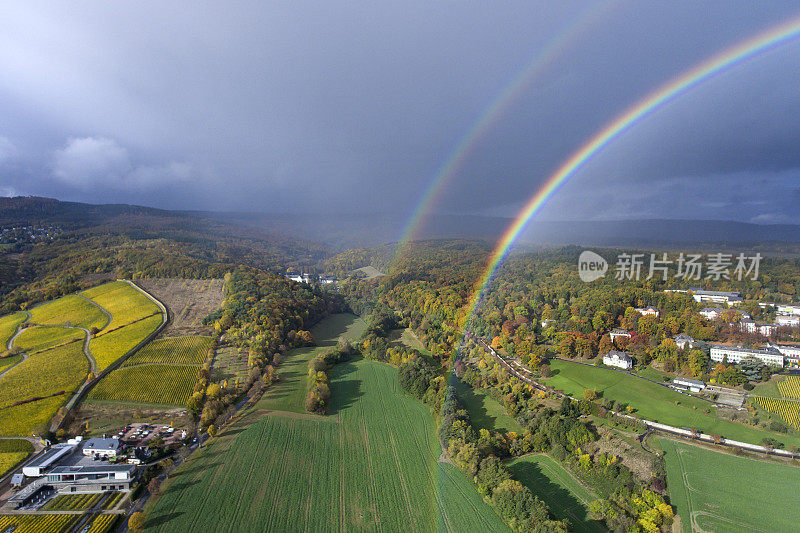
(109, 317)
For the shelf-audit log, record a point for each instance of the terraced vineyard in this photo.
(53, 523)
(108, 347)
(72, 502)
(125, 303)
(790, 387)
(174, 350)
(32, 390)
(371, 464)
(66, 368)
(163, 372)
(70, 310)
(12, 452)
(8, 326)
(103, 523)
(152, 384)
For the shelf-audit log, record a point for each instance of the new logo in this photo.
(591, 266)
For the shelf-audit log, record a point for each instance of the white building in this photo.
(618, 359)
(619, 333)
(692, 385)
(730, 298)
(767, 330)
(101, 447)
(683, 340)
(712, 313)
(38, 466)
(648, 311)
(791, 353)
(791, 321)
(91, 479)
(782, 309)
(735, 354)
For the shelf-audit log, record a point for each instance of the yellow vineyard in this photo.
(790, 387)
(788, 410)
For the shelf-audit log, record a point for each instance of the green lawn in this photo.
(714, 491)
(69, 311)
(485, 411)
(289, 393)
(769, 388)
(653, 374)
(654, 402)
(559, 489)
(370, 465)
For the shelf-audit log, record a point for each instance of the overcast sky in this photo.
(351, 107)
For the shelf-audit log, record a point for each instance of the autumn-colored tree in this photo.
(136, 521)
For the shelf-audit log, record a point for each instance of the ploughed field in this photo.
(370, 464)
(48, 359)
(654, 402)
(713, 491)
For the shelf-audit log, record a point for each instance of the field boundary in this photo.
(88, 385)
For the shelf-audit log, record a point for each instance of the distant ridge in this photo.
(359, 230)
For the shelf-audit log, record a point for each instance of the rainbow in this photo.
(690, 79)
(496, 109)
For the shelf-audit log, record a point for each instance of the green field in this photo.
(43, 374)
(369, 465)
(151, 384)
(654, 402)
(559, 489)
(108, 347)
(484, 411)
(8, 326)
(125, 303)
(189, 350)
(714, 491)
(70, 310)
(289, 393)
(39, 338)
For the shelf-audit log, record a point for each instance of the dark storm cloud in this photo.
(290, 106)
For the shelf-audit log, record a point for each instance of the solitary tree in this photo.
(136, 521)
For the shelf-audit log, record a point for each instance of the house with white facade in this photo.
(735, 354)
(648, 311)
(101, 446)
(791, 353)
(782, 309)
(619, 334)
(618, 359)
(684, 341)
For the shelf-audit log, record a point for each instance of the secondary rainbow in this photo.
(716, 65)
(498, 106)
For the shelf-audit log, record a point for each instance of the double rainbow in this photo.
(714, 66)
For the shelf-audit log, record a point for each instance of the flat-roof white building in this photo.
(735, 354)
(730, 298)
(791, 321)
(692, 385)
(618, 359)
(782, 309)
(46, 460)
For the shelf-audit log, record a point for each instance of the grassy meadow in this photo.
(484, 411)
(371, 464)
(654, 402)
(289, 393)
(558, 488)
(713, 491)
